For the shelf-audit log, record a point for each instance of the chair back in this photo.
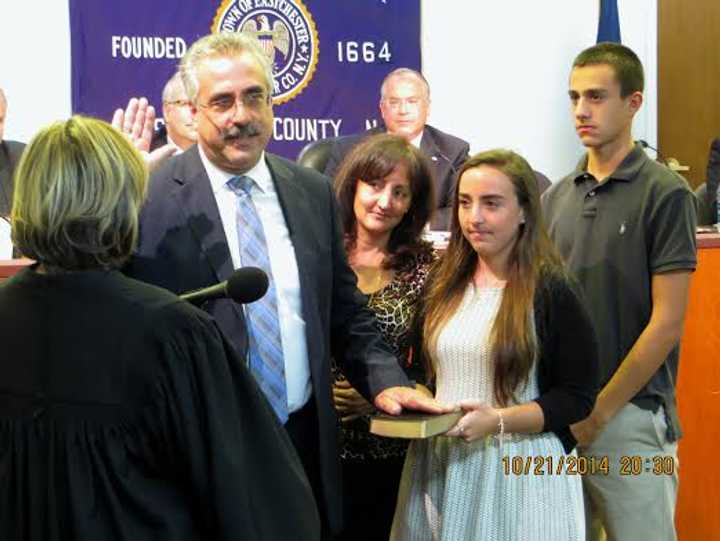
(315, 155)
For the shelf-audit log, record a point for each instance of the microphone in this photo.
(645, 144)
(245, 285)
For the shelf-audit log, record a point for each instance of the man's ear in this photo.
(381, 109)
(635, 101)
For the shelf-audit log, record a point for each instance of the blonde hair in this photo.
(78, 190)
(223, 44)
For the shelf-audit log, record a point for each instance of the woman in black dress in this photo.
(124, 414)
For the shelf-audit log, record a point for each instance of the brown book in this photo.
(413, 425)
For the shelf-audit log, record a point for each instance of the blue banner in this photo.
(329, 58)
(609, 22)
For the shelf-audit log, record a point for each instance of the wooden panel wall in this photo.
(688, 81)
(698, 394)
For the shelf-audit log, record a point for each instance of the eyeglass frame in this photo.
(412, 102)
(253, 99)
(184, 103)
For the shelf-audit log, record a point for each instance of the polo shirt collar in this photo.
(626, 171)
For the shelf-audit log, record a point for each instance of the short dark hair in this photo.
(375, 158)
(624, 62)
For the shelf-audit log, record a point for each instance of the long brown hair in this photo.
(513, 340)
(375, 158)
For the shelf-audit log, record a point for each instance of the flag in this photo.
(609, 23)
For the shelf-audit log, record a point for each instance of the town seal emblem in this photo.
(287, 33)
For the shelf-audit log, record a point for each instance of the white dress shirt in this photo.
(282, 261)
(417, 140)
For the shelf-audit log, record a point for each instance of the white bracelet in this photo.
(501, 426)
(501, 436)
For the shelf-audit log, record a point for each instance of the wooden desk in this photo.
(698, 511)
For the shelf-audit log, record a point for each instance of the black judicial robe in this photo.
(125, 415)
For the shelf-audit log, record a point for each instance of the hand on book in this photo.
(349, 403)
(480, 420)
(394, 400)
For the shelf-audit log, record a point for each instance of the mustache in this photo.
(236, 131)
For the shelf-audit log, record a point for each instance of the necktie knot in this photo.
(240, 185)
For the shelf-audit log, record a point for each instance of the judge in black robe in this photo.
(124, 413)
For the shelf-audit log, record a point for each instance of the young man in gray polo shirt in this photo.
(626, 227)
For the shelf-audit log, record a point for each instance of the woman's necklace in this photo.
(368, 267)
(372, 279)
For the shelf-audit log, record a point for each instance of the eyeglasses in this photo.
(398, 103)
(254, 100)
(180, 103)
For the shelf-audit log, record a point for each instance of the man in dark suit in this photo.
(10, 152)
(404, 106)
(195, 230)
(706, 192)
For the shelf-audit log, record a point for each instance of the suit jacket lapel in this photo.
(297, 212)
(439, 162)
(429, 146)
(6, 180)
(195, 199)
(294, 203)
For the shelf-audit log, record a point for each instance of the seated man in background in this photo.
(179, 127)
(707, 191)
(404, 107)
(10, 152)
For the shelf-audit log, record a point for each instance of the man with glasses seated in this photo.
(404, 107)
(179, 127)
(226, 203)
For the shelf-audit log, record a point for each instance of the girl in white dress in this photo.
(508, 339)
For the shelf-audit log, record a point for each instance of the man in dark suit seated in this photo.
(707, 192)
(226, 203)
(404, 107)
(707, 209)
(10, 152)
(179, 127)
